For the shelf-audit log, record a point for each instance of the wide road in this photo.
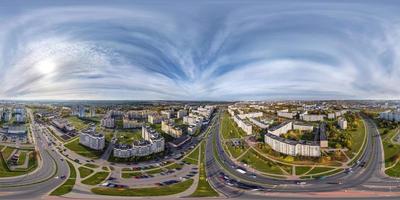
(219, 161)
(41, 181)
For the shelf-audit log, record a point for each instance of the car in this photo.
(61, 159)
(62, 177)
(301, 182)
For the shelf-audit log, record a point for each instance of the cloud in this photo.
(201, 52)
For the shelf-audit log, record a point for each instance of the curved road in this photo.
(371, 175)
(41, 181)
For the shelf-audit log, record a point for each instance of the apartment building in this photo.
(92, 139)
(342, 123)
(170, 128)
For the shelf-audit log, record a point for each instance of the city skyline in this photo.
(199, 51)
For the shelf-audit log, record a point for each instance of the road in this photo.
(41, 181)
(371, 175)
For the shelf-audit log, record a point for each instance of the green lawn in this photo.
(7, 152)
(357, 138)
(96, 178)
(203, 189)
(82, 150)
(78, 123)
(84, 172)
(300, 170)
(6, 172)
(235, 151)
(142, 192)
(229, 128)
(263, 165)
(131, 174)
(90, 165)
(317, 170)
(67, 186)
(394, 171)
(173, 166)
(22, 157)
(193, 157)
(126, 136)
(392, 150)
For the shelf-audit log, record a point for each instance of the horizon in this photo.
(199, 51)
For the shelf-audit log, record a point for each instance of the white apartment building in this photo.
(245, 126)
(331, 115)
(152, 143)
(107, 122)
(181, 113)
(171, 129)
(312, 118)
(251, 115)
(259, 123)
(167, 114)
(131, 123)
(155, 119)
(285, 114)
(291, 147)
(90, 138)
(342, 123)
(390, 116)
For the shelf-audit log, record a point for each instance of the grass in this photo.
(5, 171)
(229, 129)
(317, 170)
(105, 168)
(96, 178)
(235, 151)
(203, 189)
(22, 157)
(154, 171)
(77, 123)
(193, 157)
(357, 138)
(300, 170)
(126, 136)
(67, 186)
(131, 174)
(84, 172)
(7, 152)
(394, 171)
(90, 165)
(173, 166)
(323, 174)
(142, 192)
(262, 164)
(82, 150)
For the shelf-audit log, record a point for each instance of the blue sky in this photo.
(186, 50)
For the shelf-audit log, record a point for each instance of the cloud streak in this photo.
(203, 51)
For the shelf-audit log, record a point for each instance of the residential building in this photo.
(155, 119)
(181, 113)
(342, 123)
(108, 122)
(92, 139)
(151, 143)
(170, 128)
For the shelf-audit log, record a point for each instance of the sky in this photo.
(192, 50)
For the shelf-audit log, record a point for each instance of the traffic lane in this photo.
(280, 182)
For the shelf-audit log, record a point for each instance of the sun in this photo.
(47, 66)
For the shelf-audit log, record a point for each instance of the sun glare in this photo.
(46, 66)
